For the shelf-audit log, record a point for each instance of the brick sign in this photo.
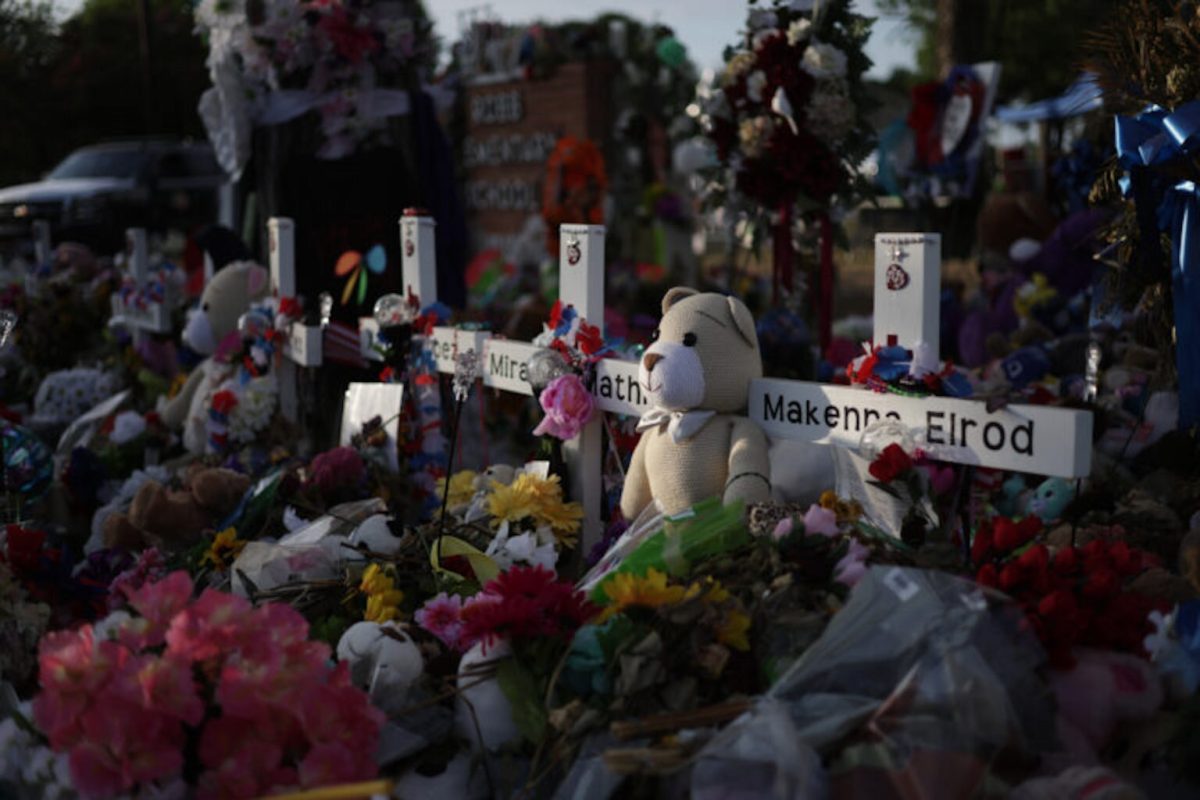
(512, 127)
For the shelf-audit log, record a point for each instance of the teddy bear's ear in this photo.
(256, 280)
(673, 296)
(743, 320)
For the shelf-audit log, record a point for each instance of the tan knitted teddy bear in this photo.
(695, 444)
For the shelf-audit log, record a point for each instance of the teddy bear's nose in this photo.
(649, 360)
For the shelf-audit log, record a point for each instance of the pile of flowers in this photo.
(231, 698)
(898, 370)
(1071, 596)
(787, 121)
(525, 509)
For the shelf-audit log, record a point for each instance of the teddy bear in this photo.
(696, 374)
(228, 295)
(173, 519)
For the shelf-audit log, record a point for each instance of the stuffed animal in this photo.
(1102, 691)
(228, 295)
(697, 375)
(173, 519)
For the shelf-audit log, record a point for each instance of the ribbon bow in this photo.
(680, 424)
(1154, 139)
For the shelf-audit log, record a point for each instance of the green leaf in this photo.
(362, 286)
(521, 690)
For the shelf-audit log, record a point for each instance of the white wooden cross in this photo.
(144, 315)
(581, 284)
(302, 343)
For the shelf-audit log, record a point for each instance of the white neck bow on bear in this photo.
(680, 424)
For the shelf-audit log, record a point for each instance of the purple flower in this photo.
(852, 566)
(821, 521)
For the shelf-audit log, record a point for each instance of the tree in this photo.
(1037, 42)
(27, 49)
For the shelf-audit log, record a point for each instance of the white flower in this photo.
(798, 31)
(524, 548)
(755, 85)
(127, 426)
(823, 61)
(762, 18)
(256, 405)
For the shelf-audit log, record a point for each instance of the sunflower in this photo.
(626, 590)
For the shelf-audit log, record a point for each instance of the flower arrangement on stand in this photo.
(348, 63)
(788, 123)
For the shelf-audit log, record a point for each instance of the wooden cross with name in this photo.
(581, 284)
(134, 311)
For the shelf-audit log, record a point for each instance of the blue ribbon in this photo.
(1152, 139)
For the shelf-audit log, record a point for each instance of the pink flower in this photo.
(568, 406)
(783, 529)
(161, 684)
(442, 616)
(941, 478)
(148, 567)
(73, 667)
(237, 756)
(340, 713)
(336, 469)
(124, 745)
(158, 603)
(208, 628)
(821, 521)
(852, 566)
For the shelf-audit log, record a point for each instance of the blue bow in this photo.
(1152, 139)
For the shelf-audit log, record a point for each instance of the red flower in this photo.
(982, 544)
(1101, 584)
(1011, 535)
(987, 576)
(1066, 561)
(556, 312)
(589, 339)
(525, 602)
(351, 41)
(290, 307)
(386, 374)
(890, 464)
(224, 401)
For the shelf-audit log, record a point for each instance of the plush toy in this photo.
(1051, 499)
(697, 374)
(173, 519)
(384, 662)
(1103, 690)
(228, 295)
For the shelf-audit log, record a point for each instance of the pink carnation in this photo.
(161, 684)
(442, 616)
(568, 406)
(124, 745)
(73, 668)
(158, 603)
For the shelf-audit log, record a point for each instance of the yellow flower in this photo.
(847, 511)
(732, 631)
(714, 592)
(462, 487)
(224, 549)
(509, 503)
(177, 384)
(563, 519)
(626, 590)
(383, 598)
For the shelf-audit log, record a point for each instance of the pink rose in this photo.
(568, 406)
